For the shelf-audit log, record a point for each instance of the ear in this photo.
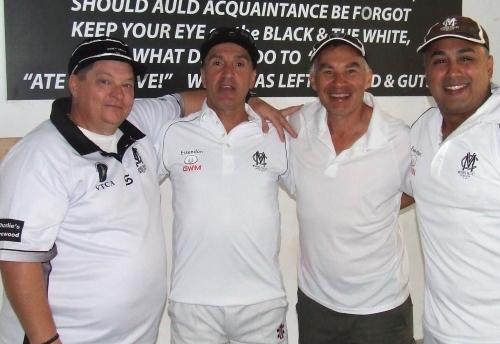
(369, 77)
(489, 65)
(253, 78)
(312, 81)
(73, 85)
(202, 72)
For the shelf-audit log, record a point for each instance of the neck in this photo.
(230, 118)
(345, 130)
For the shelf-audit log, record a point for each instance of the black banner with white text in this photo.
(167, 34)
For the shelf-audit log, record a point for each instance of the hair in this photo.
(314, 65)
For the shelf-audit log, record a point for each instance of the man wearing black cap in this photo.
(349, 162)
(82, 248)
(455, 177)
(226, 281)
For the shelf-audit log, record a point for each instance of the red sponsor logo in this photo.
(191, 168)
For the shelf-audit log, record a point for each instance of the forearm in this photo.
(193, 100)
(26, 290)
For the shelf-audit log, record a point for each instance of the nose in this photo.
(227, 70)
(337, 79)
(453, 68)
(117, 92)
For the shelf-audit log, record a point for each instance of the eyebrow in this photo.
(349, 65)
(219, 56)
(111, 75)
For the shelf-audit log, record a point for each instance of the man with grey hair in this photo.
(350, 161)
(455, 180)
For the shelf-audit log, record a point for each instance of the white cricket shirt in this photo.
(226, 231)
(94, 219)
(351, 256)
(456, 185)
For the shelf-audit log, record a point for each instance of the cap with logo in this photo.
(102, 48)
(456, 27)
(337, 37)
(237, 36)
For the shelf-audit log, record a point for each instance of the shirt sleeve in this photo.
(151, 115)
(33, 201)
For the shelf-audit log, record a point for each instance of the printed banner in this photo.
(167, 34)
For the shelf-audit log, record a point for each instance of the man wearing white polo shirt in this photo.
(455, 177)
(349, 162)
(226, 281)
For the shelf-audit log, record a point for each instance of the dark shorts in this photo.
(321, 325)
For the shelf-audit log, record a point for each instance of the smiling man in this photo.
(226, 281)
(350, 161)
(455, 179)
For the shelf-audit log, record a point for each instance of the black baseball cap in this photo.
(102, 48)
(337, 37)
(456, 27)
(231, 35)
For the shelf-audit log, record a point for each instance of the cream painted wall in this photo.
(19, 117)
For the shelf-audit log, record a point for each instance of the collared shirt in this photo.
(351, 257)
(456, 186)
(226, 232)
(93, 219)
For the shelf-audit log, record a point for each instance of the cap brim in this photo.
(470, 39)
(315, 53)
(138, 68)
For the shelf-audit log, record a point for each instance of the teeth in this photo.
(454, 88)
(339, 95)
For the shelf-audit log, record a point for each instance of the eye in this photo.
(128, 85)
(103, 81)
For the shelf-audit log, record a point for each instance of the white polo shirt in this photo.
(456, 185)
(226, 231)
(351, 257)
(94, 219)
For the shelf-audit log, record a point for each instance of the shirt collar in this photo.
(59, 118)
(208, 114)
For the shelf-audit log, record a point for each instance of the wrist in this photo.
(52, 340)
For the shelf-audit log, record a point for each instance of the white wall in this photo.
(19, 117)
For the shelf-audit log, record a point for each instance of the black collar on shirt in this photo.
(80, 142)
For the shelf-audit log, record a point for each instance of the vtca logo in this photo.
(102, 171)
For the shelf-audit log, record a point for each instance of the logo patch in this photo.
(141, 166)
(191, 159)
(11, 230)
(281, 331)
(449, 24)
(102, 171)
(468, 163)
(260, 161)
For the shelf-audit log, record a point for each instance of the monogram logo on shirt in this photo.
(259, 158)
(468, 163)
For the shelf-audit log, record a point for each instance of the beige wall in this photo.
(18, 117)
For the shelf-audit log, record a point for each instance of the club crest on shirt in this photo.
(102, 171)
(468, 163)
(141, 166)
(259, 158)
